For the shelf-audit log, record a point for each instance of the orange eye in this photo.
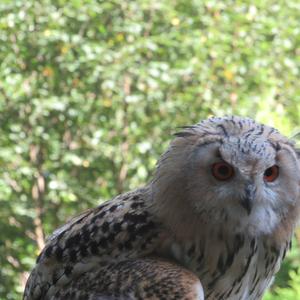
(271, 173)
(222, 171)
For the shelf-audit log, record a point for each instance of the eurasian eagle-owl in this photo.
(214, 223)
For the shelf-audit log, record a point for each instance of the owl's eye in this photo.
(271, 173)
(222, 171)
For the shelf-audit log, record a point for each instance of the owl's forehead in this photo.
(237, 127)
(244, 141)
(243, 152)
(244, 133)
(258, 147)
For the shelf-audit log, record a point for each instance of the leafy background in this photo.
(91, 91)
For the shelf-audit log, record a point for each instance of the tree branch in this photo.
(37, 193)
(124, 145)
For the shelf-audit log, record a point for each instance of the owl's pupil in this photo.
(223, 170)
(269, 172)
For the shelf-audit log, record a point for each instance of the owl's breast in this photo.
(238, 269)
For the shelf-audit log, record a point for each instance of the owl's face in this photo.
(233, 171)
(250, 189)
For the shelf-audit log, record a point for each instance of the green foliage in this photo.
(287, 282)
(91, 90)
(291, 292)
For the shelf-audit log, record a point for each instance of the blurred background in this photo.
(91, 92)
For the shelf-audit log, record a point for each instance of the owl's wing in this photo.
(117, 230)
(145, 278)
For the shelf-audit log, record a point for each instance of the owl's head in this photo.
(230, 172)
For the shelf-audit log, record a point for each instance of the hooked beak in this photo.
(248, 198)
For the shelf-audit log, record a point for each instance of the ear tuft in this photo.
(184, 134)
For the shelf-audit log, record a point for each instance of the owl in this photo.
(215, 222)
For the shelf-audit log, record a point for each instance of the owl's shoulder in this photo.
(116, 220)
(119, 229)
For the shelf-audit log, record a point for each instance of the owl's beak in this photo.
(248, 198)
